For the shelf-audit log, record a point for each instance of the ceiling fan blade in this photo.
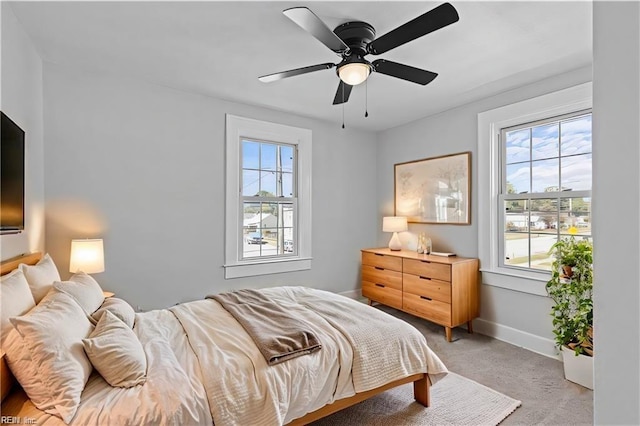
(405, 72)
(342, 96)
(304, 70)
(437, 18)
(309, 22)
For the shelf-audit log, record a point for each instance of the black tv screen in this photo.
(11, 176)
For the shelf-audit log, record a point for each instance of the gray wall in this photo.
(513, 313)
(616, 188)
(142, 166)
(21, 100)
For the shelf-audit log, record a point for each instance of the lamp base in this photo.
(395, 244)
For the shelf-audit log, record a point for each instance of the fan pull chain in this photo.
(342, 85)
(366, 98)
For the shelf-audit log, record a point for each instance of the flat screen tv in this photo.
(11, 176)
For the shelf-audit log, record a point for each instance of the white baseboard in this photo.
(537, 344)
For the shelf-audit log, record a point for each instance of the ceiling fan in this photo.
(352, 41)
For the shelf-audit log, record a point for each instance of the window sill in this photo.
(514, 280)
(251, 269)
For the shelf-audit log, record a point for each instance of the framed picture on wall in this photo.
(434, 190)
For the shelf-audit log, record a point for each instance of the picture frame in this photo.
(434, 190)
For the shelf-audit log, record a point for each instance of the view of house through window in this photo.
(546, 187)
(268, 199)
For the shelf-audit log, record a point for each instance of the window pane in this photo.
(250, 155)
(545, 175)
(287, 184)
(576, 172)
(286, 157)
(250, 182)
(516, 249)
(540, 246)
(517, 146)
(575, 216)
(268, 156)
(518, 179)
(545, 143)
(516, 216)
(268, 184)
(287, 215)
(576, 136)
(544, 216)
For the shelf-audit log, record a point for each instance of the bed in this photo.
(202, 367)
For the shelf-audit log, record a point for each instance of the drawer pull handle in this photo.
(425, 278)
(378, 254)
(379, 285)
(425, 261)
(426, 298)
(379, 268)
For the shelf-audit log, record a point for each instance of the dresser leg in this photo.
(470, 327)
(370, 302)
(447, 331)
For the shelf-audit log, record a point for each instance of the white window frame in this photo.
(238, 128)
(490, 123)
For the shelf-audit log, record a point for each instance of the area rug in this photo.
(455, 400)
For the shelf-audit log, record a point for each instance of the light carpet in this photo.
(455, 400)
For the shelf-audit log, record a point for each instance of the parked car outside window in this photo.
(288, 245)
(254, 238)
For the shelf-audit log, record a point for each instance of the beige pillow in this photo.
(40, 276)
(52, 332)
(116, 352)
(15, 300)
(84, 289)
(117, 307)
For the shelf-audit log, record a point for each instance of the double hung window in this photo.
(545, 187)
(268, 198)
(534, 185)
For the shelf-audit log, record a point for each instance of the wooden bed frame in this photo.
(421, 382)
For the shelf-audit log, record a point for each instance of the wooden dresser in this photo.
(443, 290)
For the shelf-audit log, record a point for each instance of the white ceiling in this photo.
(220, 48)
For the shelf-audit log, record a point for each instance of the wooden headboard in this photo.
(6, 378)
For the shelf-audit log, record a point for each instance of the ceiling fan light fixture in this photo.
(354, 73)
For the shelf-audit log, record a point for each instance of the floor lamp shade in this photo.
(394, 224)
(87, 256)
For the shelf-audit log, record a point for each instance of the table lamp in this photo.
(394, 224)
(87, 256)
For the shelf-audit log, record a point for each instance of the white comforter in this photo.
(202, 365)
(362, 348)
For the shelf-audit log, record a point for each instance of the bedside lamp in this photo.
(87, 256)
(394, 224)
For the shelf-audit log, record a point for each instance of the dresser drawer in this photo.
(378, 275)
(425, 268)
(383, 294)
(433, 310)
(435, 289)
(383, 261)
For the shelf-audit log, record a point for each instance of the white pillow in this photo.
(117, 307)
(25, 371)
(15, 299)
(116, 352)
(40, 276)
(84, 289)
(52, 333)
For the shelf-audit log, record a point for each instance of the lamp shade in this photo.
(87, 256)
(394, 224)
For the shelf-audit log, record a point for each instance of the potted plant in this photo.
(571, 289)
